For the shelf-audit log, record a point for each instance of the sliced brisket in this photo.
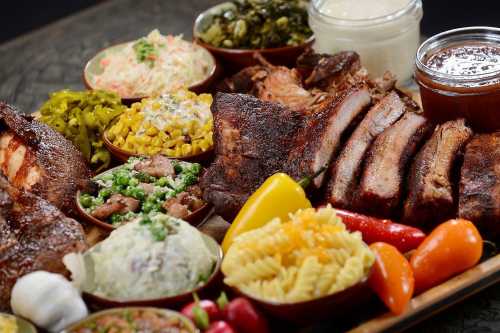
(382, 180)
(345, 171)
(480, 182)
(430, 199)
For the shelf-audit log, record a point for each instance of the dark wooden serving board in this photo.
(52, 58)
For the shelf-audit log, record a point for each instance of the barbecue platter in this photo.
(281, 195)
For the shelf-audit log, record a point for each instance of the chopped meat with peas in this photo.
(177, 210)
(156, 166)
(117, 203)
(147, 188)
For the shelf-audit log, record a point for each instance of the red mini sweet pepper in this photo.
(403, 237)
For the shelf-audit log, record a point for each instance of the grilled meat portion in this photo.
(36, 158)
(347, 167)
(430, 198)
(242, 82)
(324, 70)
(382, 181)
(283, 85)
(479, 199)
(34, 235)
(252, 141)
(321, 137)
(270, 83)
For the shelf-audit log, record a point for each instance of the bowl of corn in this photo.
(178, 125)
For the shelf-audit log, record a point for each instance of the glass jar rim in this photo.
(407, 9)
(443, 39)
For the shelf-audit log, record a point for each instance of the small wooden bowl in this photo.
(194, 218)
(237, 59)
(94, 68)
(327, 307)
(188, 323)
(209, 289)
(123, 155)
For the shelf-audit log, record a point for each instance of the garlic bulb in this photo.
(48, 300)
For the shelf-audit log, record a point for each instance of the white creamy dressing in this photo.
(384, 40)
(361, 9)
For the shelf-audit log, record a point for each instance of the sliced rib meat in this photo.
(321, 138)
(382, 180)
(38, 159)
(345, 171)
(156, 166)
(430, 198)
(479, 199)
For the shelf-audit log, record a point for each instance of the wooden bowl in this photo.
(94, 68)
(237, 59)
(194, 218)
(188, 323)
(331, 306)
(123, 155)
(209, 289)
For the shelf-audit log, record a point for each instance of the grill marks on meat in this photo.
(479, 199)
(36, 158)
(382, 181)
(430, 197)
(17, 161)
(34, 235)
(252, 140)
(321, 138)
(347, 167)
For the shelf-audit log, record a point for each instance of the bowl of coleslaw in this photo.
(151, 66)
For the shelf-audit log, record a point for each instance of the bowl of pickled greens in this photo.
(82, 117)
(142, 186)
(233, 31)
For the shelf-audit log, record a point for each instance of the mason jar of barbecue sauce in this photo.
(385, 33)
(458, 72)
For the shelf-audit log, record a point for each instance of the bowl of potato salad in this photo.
(178, 125)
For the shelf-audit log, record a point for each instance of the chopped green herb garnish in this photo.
(145, 52)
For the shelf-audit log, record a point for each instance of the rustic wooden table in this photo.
(53, 57)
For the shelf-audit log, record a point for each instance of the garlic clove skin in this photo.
(48, 300)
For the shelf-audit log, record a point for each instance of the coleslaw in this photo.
(154, 65)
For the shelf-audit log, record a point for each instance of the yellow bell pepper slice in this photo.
(278, 196)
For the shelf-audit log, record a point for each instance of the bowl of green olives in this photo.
(235, 31)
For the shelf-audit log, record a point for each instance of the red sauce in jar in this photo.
(460, 77)
(465, 60)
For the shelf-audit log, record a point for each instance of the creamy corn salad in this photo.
(179, 124)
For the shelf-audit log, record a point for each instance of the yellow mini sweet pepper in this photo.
(278, 196)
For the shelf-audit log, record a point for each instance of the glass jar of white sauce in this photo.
(386, 33)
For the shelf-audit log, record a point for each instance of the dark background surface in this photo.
(52, 58)
(21, 16)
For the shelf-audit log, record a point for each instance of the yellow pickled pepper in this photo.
(278, 196)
